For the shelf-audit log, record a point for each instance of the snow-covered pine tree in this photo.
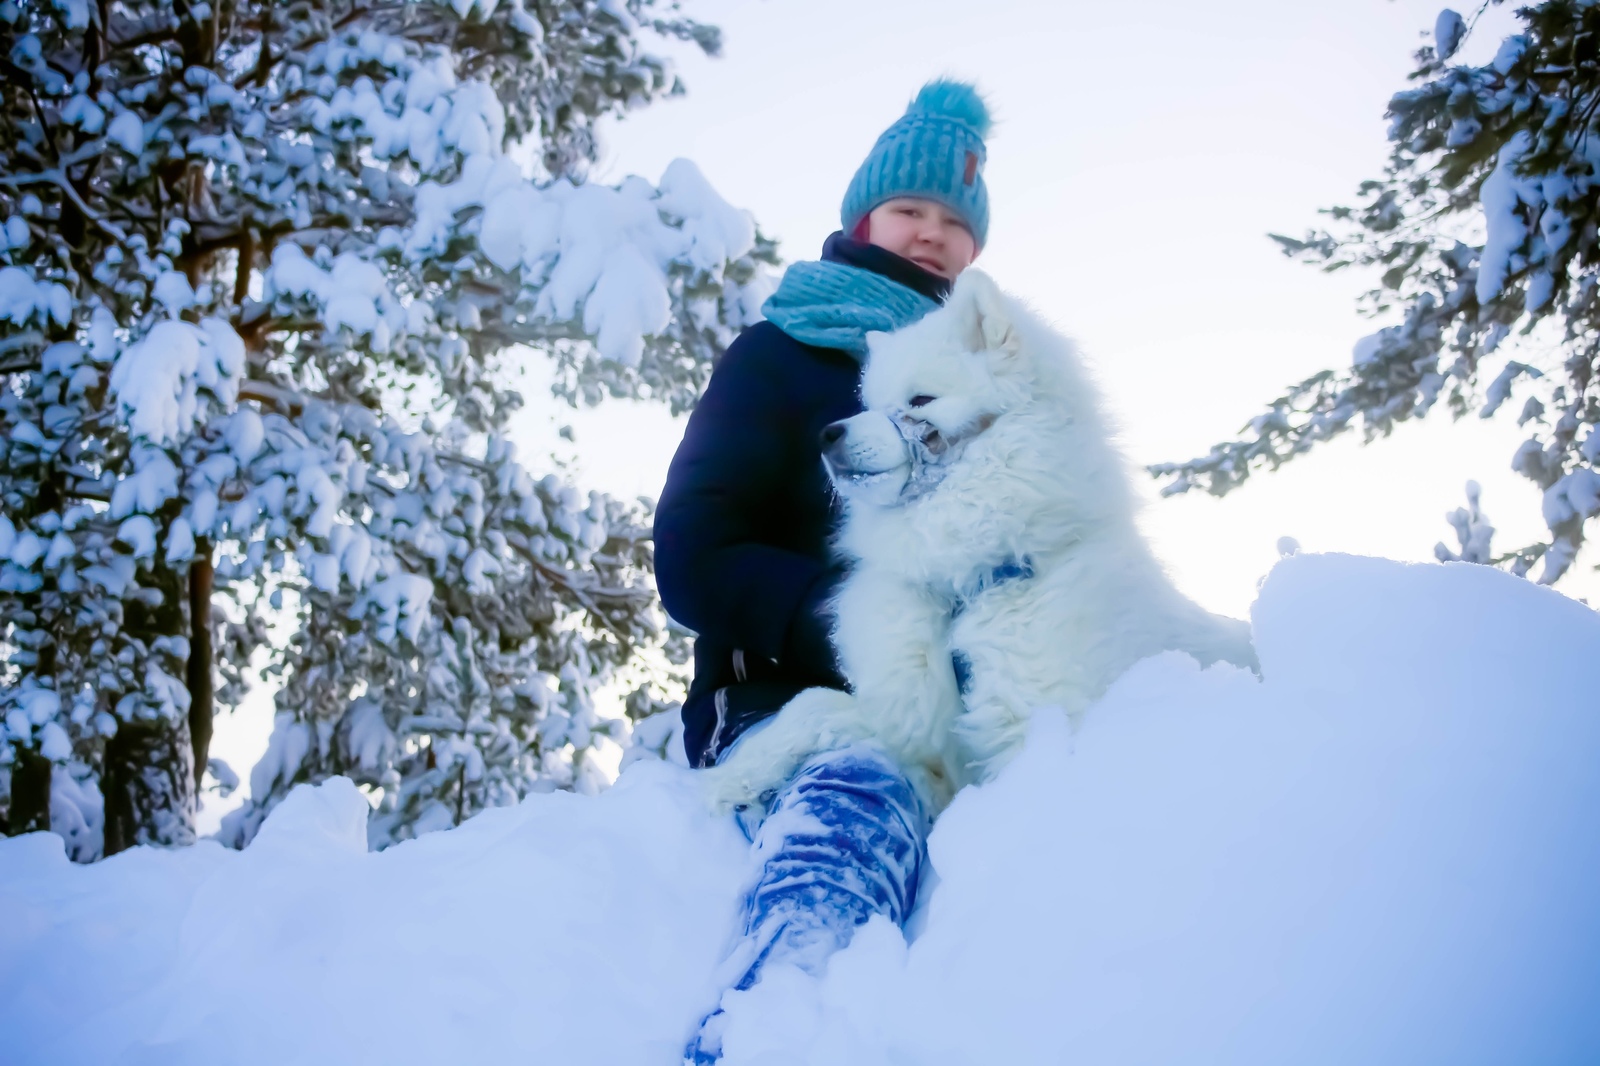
(1485, 224)
(260, 264)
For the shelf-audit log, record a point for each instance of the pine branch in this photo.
(566, 581)
(126, 35)
(58, 178)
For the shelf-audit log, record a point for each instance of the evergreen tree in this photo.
(1485, 226)
(261, 264)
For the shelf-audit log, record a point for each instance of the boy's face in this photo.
(925, 232)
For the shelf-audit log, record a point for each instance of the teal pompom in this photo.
(957, 100)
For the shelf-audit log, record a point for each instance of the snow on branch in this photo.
(1485, 228)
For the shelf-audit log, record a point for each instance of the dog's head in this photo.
(930, 391)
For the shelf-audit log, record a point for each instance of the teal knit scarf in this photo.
(835, 305)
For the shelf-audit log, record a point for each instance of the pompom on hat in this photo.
(934, 151)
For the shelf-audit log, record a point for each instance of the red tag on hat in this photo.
(972, 169)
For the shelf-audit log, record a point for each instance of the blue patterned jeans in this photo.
(842, 841)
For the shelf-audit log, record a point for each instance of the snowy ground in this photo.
(1388, 851)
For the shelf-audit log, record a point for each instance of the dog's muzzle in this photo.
(884, 459)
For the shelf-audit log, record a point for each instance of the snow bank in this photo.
(1387, 851)
(569, 929)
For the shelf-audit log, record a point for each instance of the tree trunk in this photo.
(148, 777)
(30, 794)
(29, 807)
(148, 783)
(202, 689)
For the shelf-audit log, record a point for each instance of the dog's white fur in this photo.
(1027, 471)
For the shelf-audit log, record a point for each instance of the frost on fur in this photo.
(990, 521)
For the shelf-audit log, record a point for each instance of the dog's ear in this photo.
(985, 320)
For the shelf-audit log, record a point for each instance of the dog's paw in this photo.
(989, 737)
(725, 789)
(767, 756)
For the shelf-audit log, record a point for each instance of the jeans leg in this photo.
(844, 840)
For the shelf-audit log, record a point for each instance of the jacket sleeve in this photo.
(715, 574)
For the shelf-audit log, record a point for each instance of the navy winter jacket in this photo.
(744, 524)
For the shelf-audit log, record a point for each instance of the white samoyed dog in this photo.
(996, 567)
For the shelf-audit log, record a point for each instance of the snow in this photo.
(22, 299)
(1369, 347)
(1511, 50)
(244, 433)
(84, 113)
(139, 533)
(1575, 496)
(180, 542)
(403, 602)
(18, 728)
(437, 113)
(352, 292)
(39, 704)
(16, 232)
(1525, 224)
(61, 549)
(1474, 532)
(153, 482)
(1448, 30)
(76, 12)
(156, 379)
(605, 249)
(223, 775)
(717, 231)
(1387, 850)
(26, 549)
(285, 748)
(54, 744)
(1502, 193)
(128, 132)
(77, 810)
(1499, 390)
(172, 291)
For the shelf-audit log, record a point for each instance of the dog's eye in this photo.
(921, 400)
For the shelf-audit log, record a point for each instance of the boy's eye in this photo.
(921, 400)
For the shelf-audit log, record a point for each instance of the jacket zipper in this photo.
(720, 702)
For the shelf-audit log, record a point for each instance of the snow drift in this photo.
(1386, 851)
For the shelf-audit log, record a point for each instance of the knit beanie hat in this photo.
(935, 151)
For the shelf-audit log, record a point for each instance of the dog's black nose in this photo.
(832, 434)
